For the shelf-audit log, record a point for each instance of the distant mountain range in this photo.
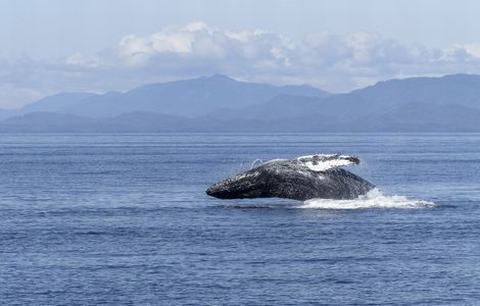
(187, 98)
(221, 104)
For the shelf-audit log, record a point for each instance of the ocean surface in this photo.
(124, 220)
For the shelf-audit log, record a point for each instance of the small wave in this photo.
(246, 206)
(373, 199)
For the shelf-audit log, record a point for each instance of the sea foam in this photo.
(373, 199)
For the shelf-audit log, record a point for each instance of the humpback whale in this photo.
(303, 178)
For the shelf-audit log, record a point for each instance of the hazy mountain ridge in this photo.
(193, 97)
(58, 102)
(449, 103)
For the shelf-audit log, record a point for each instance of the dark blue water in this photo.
(103, 219)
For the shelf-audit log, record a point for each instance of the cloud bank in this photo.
(336, 63)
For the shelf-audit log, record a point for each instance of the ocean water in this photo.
(124, 220)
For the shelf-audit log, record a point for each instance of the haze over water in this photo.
(119, 219)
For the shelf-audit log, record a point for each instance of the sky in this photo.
(50, 46)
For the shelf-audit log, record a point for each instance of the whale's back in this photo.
(295, 182)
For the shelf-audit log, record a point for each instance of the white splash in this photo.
(322, 162)
(275, 160)
(373, 199)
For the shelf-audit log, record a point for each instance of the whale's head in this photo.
(250, 184)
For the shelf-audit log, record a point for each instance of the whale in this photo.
(306, 177)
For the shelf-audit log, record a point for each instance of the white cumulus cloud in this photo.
(333, 62)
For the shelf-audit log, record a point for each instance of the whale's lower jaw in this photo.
(217, 192)
(286, 179)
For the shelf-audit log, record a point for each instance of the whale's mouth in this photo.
(220, 191)
(373, 199)
(241, 186)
